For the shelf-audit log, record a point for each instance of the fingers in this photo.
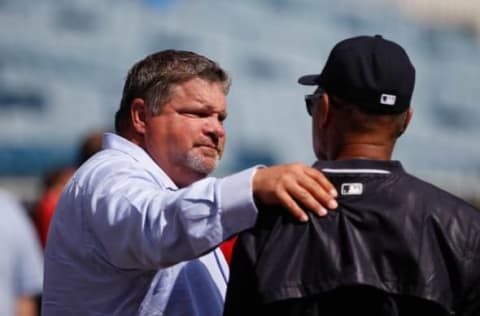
(293, 208)
(323, 181)
(321, 193)
(295, 186)
(313, 193)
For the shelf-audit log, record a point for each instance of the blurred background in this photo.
(63, 63)
(62, 66)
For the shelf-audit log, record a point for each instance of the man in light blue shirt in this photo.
(137, 227)
(20, 260)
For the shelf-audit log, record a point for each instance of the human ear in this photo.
(406, 121)
(325, 109)
(137, 114)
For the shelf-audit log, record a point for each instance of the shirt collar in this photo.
(117, 142)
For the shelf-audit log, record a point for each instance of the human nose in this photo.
(215, 126)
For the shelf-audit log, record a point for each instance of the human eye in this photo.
(222, 117)
(194, 113)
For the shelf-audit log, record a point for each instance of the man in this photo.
(396, 245)
(20, 260)
(141, 209)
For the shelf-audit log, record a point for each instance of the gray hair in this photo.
(153, 77)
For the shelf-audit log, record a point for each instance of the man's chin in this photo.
(202, 165)
(208, 152)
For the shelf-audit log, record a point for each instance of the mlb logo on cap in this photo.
(388, 99)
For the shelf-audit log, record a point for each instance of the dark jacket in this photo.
(395, 246)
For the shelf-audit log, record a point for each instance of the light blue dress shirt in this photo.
(21, 261)
(124, 240)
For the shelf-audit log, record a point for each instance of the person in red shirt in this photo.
(55, 180)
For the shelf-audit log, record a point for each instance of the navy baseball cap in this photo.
(369, 71)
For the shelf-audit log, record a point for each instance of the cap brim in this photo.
(309, 80)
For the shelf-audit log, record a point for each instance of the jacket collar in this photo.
(360, 165)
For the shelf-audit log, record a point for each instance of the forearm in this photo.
(153, 228)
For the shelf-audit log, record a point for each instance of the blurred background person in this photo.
(55, 180)
(21, 266)
(52, 186)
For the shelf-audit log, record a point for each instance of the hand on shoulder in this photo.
(295, 186)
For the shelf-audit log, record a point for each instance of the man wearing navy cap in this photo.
(397, 245)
